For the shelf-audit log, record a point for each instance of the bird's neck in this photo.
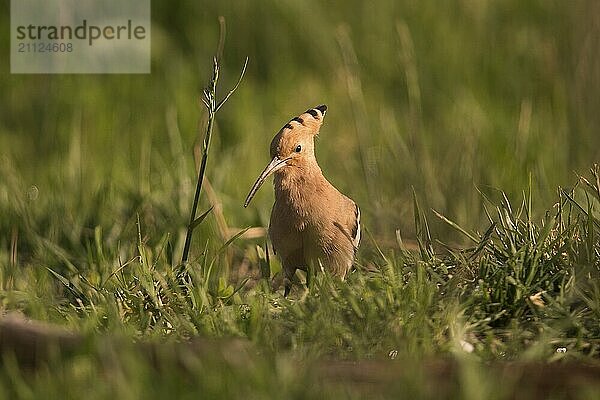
(296, 187)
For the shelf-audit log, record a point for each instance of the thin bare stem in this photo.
(222, 35)
(209, 101)
(236, 85)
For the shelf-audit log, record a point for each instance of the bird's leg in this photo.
(287, 280)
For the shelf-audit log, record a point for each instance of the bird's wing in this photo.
(352, 234)
(356, 228)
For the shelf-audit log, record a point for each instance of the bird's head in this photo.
(293, 148)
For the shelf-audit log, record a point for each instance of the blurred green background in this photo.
(97, 175)
(442, 96)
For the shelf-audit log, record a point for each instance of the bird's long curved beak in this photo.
(275, 164)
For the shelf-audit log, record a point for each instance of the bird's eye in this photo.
(298, 149)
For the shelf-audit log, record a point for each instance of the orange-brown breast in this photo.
(312, 223)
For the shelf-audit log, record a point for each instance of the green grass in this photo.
(478, 110)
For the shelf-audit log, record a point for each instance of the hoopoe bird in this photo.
(313, 226)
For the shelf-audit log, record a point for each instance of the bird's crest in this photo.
(309, 122)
